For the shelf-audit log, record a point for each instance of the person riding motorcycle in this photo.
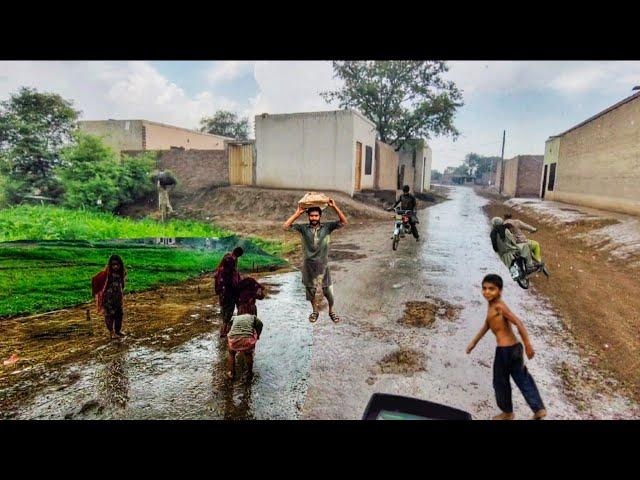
(504, 243)
(408, 202)
(516, 227)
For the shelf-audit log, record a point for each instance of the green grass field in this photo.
(35, 279)
(28, 222)
(46, 276)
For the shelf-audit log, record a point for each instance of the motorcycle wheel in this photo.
(523, 279)
(523, 282)
(396, 240)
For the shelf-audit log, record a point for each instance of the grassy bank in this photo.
(28, 222)
(35, 279)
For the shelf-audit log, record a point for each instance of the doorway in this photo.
(544, 182)
(358, 182)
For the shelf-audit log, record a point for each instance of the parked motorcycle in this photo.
(401, 226)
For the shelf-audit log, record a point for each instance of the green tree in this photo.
(405, 99)
(34, 127)
(94, 178)
(436, 175)
(227, 124)
(478, 165)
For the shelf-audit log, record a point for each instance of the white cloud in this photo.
(223, 72)
(562, 77)
(114, 90)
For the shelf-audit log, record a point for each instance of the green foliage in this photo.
(94, 178)
(477, 164)
(405, 99)
(436, 175)
(134, 182)
(30, 222)
(36, 279)
(34, 126)
(227, 124)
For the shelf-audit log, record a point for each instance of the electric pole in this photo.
(504, 134)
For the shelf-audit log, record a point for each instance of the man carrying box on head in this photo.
(316, 237)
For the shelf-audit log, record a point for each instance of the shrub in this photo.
(94, 178)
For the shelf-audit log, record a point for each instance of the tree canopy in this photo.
(405, 99)
(227, 124)
(34, 127)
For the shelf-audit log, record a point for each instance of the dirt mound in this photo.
(259, 203)
(424, 314)
(402, 361)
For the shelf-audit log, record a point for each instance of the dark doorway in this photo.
(544, 182)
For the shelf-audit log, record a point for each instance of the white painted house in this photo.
(415, 167)
(316, 151)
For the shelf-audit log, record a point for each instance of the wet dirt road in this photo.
(379, 347)
(133, 379)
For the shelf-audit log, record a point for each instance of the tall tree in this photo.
(477, 164)
(227, 124)
(405, 99)
(34, 126)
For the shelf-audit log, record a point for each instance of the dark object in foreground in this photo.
(165, 177)
(383, 406)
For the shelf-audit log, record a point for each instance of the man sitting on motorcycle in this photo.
(504, 243)
(408, 202)
(515, 227)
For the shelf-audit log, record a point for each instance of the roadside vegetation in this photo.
(40, 278)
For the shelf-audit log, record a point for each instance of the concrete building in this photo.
(597, 162)
(415, 161)
(386, 167)
(521, 177)
(145, 135)
(316, 151)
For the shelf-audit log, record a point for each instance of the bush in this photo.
(94, 178)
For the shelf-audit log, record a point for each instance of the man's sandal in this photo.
(314, 317)
(334, 317)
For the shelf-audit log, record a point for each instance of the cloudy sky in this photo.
(530, 100)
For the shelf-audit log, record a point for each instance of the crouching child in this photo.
(246, 327)
(242, 338)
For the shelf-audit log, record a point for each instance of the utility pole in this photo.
(504, 134)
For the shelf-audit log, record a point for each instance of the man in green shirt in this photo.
(316, 237)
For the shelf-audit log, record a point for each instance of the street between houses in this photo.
(407, 317)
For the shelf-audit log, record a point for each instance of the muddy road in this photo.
(408, 316)
(175, 369)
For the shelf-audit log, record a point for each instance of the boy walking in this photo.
(509, 359)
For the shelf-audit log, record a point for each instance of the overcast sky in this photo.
(530, 100)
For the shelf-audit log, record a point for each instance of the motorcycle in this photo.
(401, 227)
(520, 274)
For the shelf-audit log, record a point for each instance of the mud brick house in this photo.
(145, 135)
(331, 150)
(597, 162)
(199, 160)
(520, 176)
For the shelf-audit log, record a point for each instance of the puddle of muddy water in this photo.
(187, 381)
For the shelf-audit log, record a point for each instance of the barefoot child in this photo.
(509, 360)
(245, 327)
(107, 287)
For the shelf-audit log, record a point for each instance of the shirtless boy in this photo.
(509, 360)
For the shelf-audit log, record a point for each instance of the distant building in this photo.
(597, 162)
(316, 151)
(145, 135)
(520, 176)
(415, 167)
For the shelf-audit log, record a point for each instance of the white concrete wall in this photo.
(365, 132)
(428, 156)
(311, 151)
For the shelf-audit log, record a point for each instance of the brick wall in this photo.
(529, 174)
(195, 169)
